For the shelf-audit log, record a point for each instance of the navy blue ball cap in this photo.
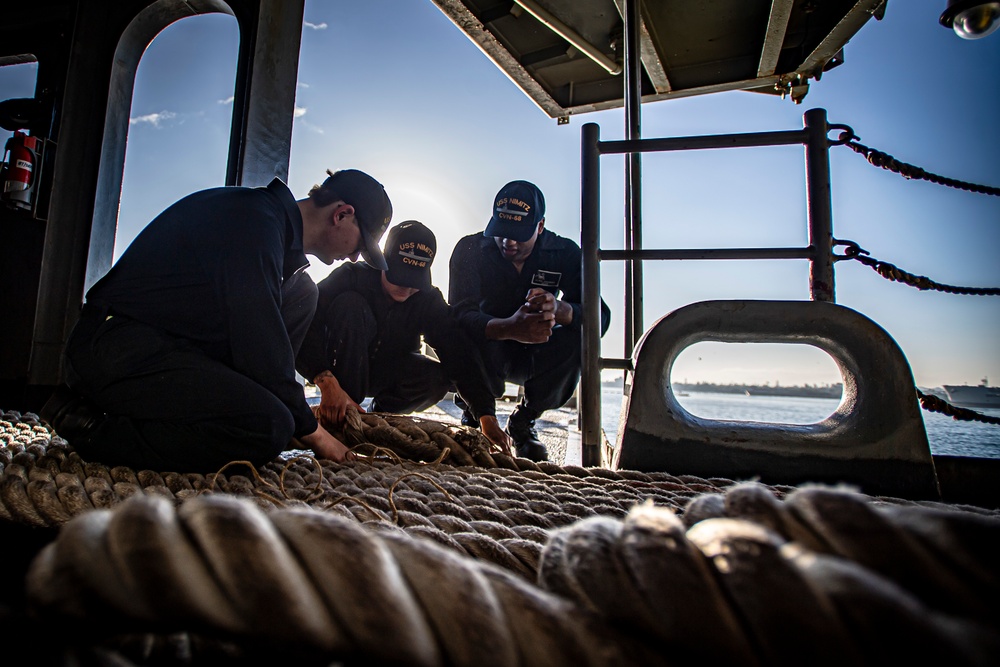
(372, 209)
(517, 210)
(409, 251)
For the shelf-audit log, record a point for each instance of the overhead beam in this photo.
(540, 56)
(845, 29)
(744, 84)
(474, 29)
(766, 78)
(774, 38)
(556, 25)
(500, 11)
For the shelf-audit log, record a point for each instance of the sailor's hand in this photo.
(325, 446)
(495, 434)
(334, 401)
(528, 325)
(540, 301)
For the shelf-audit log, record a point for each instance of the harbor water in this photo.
(945, 435)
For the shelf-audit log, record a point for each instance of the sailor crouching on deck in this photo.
(183, 357)
(365, 339)
(504, 286)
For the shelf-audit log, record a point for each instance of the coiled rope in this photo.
(500, 514)
(416, 438)
(399, 562)
(826, 576)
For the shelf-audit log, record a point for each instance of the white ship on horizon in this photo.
(966, 396)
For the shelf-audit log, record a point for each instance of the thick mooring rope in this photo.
(502, 514)
(396, 561)
(825, 577)
(308, 581)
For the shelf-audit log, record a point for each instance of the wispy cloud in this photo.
(154, 119)
(314, 26)
(299, 112)
(312, 128)
(301, 84)
(228, 100)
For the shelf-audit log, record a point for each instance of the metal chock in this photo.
(875, 440)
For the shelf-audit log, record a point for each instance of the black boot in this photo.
(71, 416)
(521, 429)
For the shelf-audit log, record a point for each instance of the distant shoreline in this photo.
(806, 391)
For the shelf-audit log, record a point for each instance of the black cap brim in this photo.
(507, 229)
(414, 279)
(372, 253)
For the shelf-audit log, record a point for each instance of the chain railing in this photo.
(933, 403)
(894, 273)
(815, 137)
(889, 163)
(891, 272)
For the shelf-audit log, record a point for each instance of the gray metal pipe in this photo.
(573, 37)
(819, 205)
(710, 253)
(745, 140)
(633, 178)
(589, 409)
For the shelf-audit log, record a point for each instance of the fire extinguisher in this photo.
(21, 158)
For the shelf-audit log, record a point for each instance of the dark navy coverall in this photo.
(483, 285)
(372, 345)
(187, 342)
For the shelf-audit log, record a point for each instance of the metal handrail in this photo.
(814, 136)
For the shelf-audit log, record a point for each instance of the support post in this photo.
(633, 178)
(589, 409)
(820, 206)
(260, 142)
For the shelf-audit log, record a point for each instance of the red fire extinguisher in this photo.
(21, 158)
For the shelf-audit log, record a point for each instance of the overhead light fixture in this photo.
(971, 19)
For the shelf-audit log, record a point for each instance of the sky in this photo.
(395, 89)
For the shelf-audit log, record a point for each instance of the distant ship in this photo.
(983, 396)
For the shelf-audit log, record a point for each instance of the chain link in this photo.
(886, 161)
(894, 273)
(932, 403)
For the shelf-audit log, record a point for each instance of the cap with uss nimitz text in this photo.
(517, 210)
(409, 252)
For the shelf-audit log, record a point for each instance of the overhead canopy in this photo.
(567, 55)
